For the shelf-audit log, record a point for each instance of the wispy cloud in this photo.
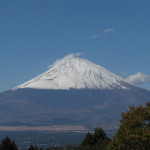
(69, 56)
(124, 73)
(108, 30)
(46, 61)
(95, 36)
(139, 78)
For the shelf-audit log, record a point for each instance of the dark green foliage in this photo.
(97, 141)
(6, 144)
(88, 140)
(98, 135)
(55, 148)
(70, 147)
(14, 145)
(31, 147)
(134, 130)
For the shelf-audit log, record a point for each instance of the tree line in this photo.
(132, 134)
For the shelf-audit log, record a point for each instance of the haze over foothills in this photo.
(113, 34)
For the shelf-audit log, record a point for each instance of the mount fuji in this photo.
(74, 93)
(75, 73)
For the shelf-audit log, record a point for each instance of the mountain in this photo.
(74, 93)
(75, 73)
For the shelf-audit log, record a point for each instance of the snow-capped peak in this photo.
(72, 72)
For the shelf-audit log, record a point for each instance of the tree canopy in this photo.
(97, 141)
(7, 144)
(134, 130)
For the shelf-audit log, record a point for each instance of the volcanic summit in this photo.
(75, 73)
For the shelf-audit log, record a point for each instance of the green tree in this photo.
(14, 145)
(100, 139)
(71, 147)
(88, 140)
(6, 144)
(97, 141)
(134, 130)
(98, 135)
(55, 148)
(31, 147)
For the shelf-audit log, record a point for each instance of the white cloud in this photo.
(95, 36)
(65, 58)
(138, 78)
(108, 30)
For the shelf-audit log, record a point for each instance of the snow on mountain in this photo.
(72, 72)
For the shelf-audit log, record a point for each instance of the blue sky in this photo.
(112, 33)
